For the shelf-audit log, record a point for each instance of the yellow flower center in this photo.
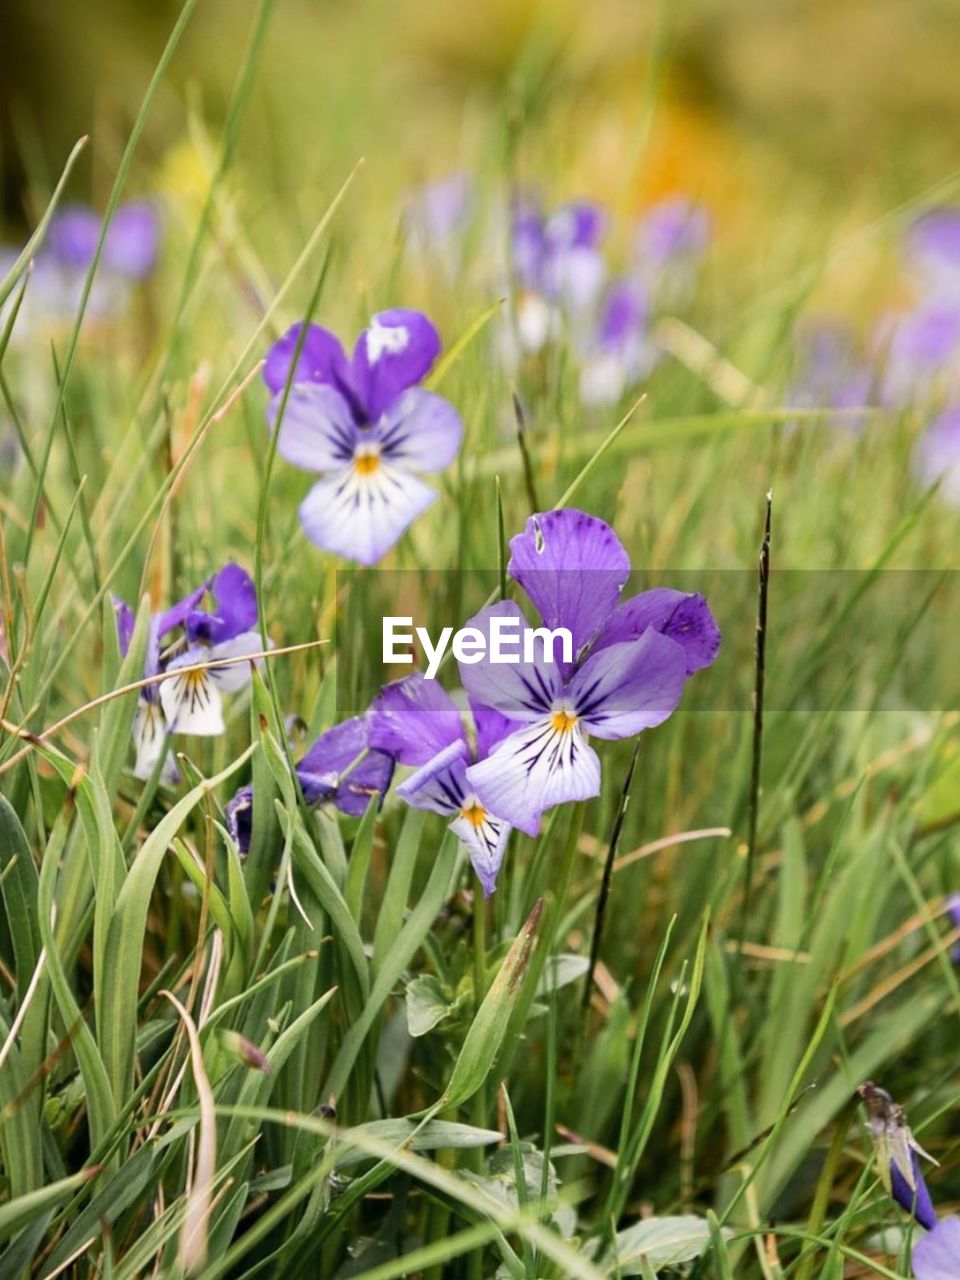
(474, 813)
(563, 721)
(366, 460)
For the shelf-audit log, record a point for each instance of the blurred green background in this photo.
(793, 105)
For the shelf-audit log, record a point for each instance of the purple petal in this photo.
(575, 278)
(685, 618)
(623, 315)
(581, 224)
(326, 775)
(395, 352)
(360, 515)
(322, 359)
(922, 345)
(126, 624)
(528, 247)
(534, 769)
(239, 815)
(178, 613)
(440, 209)
(317, 431)
(629, 687)
(133, 239)
(413, 719)
(235, 600)
(420, 431)
(917, 1202)
(573, 567)
(72, 236)
(491, 726)
(440, 784)
(937, 1255)
(521, 690)
(953, 911)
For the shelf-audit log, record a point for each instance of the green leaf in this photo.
(661, 1242)
(426, 1004)
(488, 1029)
(436, 1135)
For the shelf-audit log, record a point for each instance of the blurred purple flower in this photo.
(932, 248)
(920, 351)
(937, 1255)
(830, 374)
(630, 663)
(669, 244)
(559, 267)
(131, 244)
(341, 768)
(953, 912)
(621, 352)
(417, 722)
(367, 426)
(936, 455)
(438, 215)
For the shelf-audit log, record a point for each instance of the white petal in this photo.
(485, 839)
(237, 674)
(149, 740)
(192, 704)
(361, 515)
(534, 769)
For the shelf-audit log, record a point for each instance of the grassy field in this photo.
(329, 1055)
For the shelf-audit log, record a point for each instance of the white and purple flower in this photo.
(416, 722)
(191, 702)
(831, 373)
(631, 662)
(367, 426)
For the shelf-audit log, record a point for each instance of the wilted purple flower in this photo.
(131, 244)
(921, 353)
(341, 768)
(417, 722)
(830, 373)
(630, 663)
(191, 703)
(937, 1255)
(559, 267)
(669, 244)
(621, 351)
(936, 455)
(367, 426)
(896, 1152)
(932, 247)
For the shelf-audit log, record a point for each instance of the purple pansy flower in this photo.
(936, 455)
(937, 1255)
(630, 663)
(367, 426)
(191, 703)
(417, 722)
(621, 352)
(341, 768)
(559, 267)
(914, 1198)
(130, 248)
